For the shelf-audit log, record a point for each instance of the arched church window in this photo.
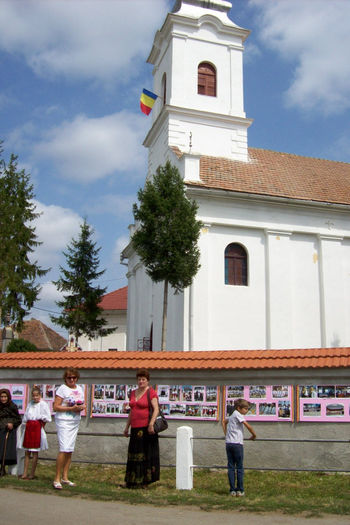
(206, 79)
(236, 265)
(164, 88)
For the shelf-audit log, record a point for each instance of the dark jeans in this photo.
(234, 453)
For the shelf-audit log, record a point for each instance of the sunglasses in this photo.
(71, 377)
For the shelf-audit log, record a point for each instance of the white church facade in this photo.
(275, 242)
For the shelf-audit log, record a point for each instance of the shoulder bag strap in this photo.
(150, 407)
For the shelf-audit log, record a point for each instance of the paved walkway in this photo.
(20, 508)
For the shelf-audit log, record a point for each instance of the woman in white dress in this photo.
(68, 405)
(33, 437)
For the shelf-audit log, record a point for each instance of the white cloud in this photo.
(46, 305)
(119, 246)
(340, 148)
(49, 295)
(118, 205)
(88, 149)
(55, 228)
(251, 52)
(314, 37)
(91, 39)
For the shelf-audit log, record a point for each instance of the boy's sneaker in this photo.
(233, 493)
(239, 493)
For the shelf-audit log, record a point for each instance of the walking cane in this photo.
(2, 472)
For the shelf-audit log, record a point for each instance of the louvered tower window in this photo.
(164, 88)
(206, 79)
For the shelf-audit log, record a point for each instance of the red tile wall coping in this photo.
(213, 360)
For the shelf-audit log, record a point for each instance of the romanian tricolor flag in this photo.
(147, 101)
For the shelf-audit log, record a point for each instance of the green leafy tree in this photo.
(80, 311)
(167, 233)
(18, 273)
(21, 345)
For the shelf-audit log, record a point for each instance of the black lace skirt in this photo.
(8, 447)
(143, 458)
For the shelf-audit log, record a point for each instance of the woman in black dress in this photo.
(9, 421)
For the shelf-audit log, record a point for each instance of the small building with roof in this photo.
(114, 305)
(39, 334)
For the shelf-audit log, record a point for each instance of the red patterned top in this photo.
(139, 408)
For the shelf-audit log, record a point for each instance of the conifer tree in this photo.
(18, 273)
(80, 311)
(167, 233)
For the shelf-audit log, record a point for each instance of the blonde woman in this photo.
(68, 405)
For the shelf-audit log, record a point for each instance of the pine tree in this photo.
(167, 233)
(18, 273)
(80, 311)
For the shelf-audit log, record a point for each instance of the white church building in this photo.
(275, 245)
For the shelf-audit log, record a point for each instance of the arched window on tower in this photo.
(236, 265)
(206, 79)
(164, 88)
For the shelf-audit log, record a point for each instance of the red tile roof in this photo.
(43, 337)
(211, 360)
(279, 175)
(117, 300)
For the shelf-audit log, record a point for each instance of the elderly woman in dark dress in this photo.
(9, 421)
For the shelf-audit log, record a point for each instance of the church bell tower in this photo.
(198, 74)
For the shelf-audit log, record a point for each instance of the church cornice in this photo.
(169, 111)
(197, 190)
(172, 20)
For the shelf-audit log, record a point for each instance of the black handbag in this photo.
(160, 423)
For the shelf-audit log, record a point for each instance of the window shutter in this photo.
(236, 265)
(206, 79)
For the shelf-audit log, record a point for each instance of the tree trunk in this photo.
(165, 314)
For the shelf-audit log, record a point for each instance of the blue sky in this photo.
(71, 76)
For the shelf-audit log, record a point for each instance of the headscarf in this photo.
(8, 393)
(9, 411)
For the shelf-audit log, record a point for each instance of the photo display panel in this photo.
(189, 402)
(267, 403)
(177, 402)
(324, 403)
(18, 394)
(110, 400)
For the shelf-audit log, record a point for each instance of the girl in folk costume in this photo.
(34, 437)
(9, 421)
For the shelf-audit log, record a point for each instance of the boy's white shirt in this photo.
(234, 433)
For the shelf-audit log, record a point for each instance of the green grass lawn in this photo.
(311, 494)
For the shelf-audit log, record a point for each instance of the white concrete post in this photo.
(184, 458)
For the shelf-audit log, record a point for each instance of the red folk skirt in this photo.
(32, 436)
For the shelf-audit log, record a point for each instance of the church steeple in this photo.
(198, 70)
